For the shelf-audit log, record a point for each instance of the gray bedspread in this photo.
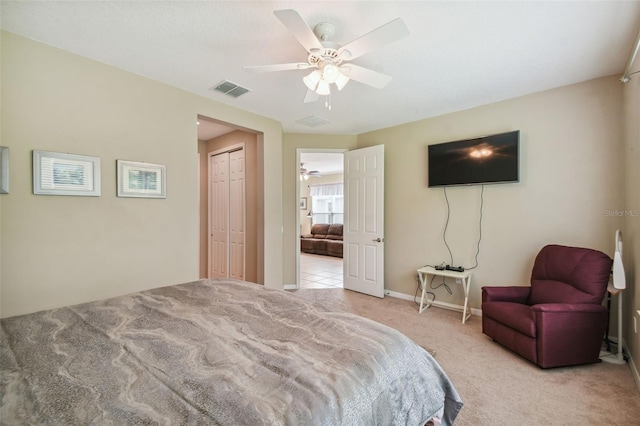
(215, 352)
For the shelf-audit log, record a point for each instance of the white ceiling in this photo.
(208, 129)
(327, 163)
(458, 55)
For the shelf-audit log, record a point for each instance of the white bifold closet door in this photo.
(227, 215)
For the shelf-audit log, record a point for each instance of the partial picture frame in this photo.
(57, 173)
(4, 170)
(303, 203)
(141, 180)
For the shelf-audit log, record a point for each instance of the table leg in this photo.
(423, 284)
(466, 284)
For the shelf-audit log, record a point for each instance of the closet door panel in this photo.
(218, 215)
(227, 208)
(236, 215)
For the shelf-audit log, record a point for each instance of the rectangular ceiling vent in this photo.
(312, 121)
(230, 89)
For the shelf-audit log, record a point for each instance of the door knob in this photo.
(378, 240)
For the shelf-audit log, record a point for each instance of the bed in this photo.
(215, 352)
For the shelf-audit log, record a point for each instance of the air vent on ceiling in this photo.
(229, 88)
(312, 121)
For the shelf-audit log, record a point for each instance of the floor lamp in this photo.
(619, 284)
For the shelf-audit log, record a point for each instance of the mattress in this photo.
(218, 352)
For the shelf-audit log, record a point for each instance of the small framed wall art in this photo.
(56, 173)
(141, 180)
(303, 203)
(4, 170)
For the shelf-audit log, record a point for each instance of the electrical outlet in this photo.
(458, 280)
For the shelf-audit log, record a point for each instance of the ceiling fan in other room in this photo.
(329, 61)
(306, 174)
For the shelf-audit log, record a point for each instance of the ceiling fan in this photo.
(306, 174)
(329, 61)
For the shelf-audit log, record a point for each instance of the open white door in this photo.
(364, 220)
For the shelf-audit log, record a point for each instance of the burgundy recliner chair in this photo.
(560, 319)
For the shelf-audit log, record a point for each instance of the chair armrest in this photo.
(584, 308)
(306, 236)
(515, 294)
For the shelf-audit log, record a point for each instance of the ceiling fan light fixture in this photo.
(323, 88)
(330, 73)
(311, 80)
(326, 57)
(341, 81)
(305, 174)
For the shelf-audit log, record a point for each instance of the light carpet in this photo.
(497, 386)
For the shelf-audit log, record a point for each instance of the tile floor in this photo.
(317, 271)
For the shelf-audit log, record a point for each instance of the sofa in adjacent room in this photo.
(324, 239)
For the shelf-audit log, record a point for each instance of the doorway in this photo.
(319, 190)
(221, 138)
(362, 231)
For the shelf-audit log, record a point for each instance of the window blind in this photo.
(326, 190)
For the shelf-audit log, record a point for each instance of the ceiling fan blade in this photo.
(300, 30)
(389, 32)
(278, 67)
(311, 96)
(366, 76)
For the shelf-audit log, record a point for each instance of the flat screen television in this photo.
(489, 159)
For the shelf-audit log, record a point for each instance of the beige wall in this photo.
(291, 143)
(61, 250)
(571, 152)
(251, 198)
(631, 205)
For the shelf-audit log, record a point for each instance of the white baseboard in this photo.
(444, 305)
(632, 365)
(397, 295)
